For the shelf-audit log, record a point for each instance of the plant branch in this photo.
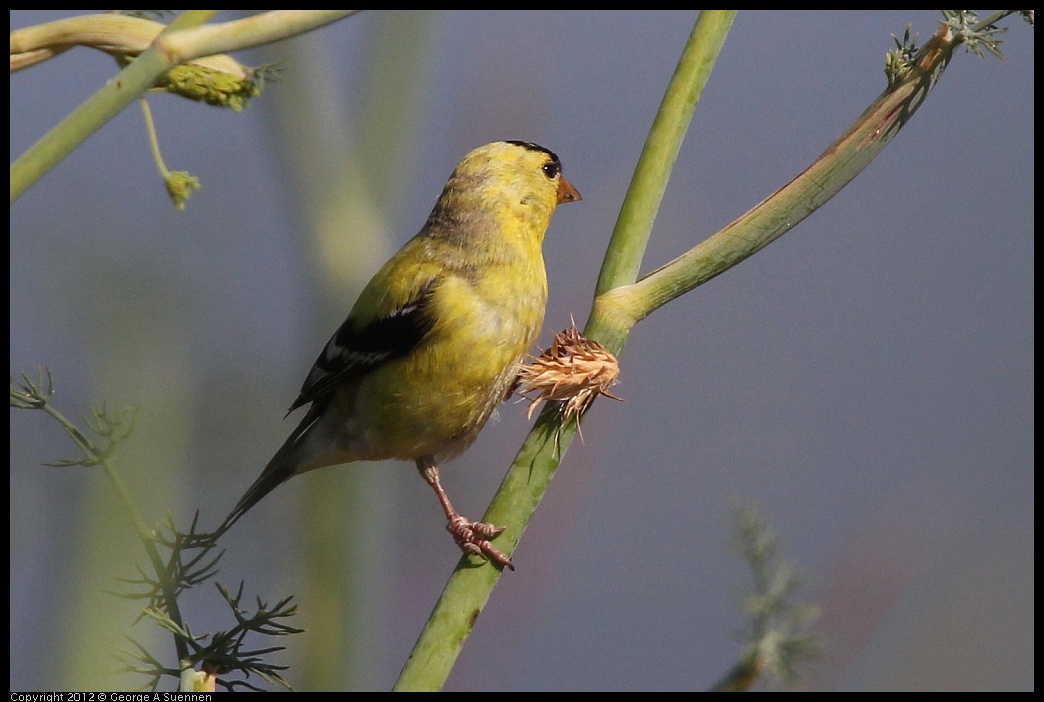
(36, 395)
(182, 41)
(469, 587)
(624, 306)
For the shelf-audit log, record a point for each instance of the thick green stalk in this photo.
(471, 584)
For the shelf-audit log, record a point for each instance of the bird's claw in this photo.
(473, 539)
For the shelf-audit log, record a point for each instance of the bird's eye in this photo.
(552, 169)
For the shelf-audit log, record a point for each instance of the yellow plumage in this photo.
(435, 340)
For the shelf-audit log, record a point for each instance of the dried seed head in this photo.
(573, 371)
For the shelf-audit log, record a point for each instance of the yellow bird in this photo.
(436, 338)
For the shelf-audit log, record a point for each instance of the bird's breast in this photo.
(435, 400)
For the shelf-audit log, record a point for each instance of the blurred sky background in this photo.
(866, 381)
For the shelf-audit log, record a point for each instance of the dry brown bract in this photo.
(573, 371)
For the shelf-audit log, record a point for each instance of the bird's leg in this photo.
(472, 537)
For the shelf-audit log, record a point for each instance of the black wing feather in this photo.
(354, 351)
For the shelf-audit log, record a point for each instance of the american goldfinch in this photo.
(436, 338)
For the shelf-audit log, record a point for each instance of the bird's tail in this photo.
(273, 475)
(283, 466)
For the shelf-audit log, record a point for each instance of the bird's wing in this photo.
(356, 349)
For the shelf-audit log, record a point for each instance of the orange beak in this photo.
(566, 192)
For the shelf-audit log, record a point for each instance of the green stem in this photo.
(651, 175)
(154, 147)
(117, 93)
(781, 211)
(469, 587)
(94, 455)
(182, 41)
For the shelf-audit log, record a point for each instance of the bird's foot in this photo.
(473, 539)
